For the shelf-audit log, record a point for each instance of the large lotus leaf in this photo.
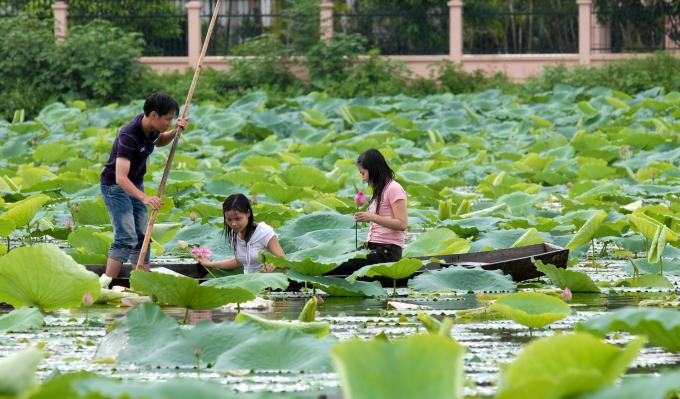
(85, 385)
(646, 386)
(305, 176)
(326, 243)
(575, 281)
(436, 242)
(403, 268)
(334, 286)
(530, 237)
(306, 266)
(496, 239)
(51, 152)
(17, 372)
(45, 277)
(587, 231)
(185, 291)
(22, 319)
(531, 309)
(316, 221)
(6, 227)
(277, 192)
(670, 266)
(661, 326)
(281, 349)
(3, 248)
(162, 232)
(22, 212)
(646, 280)
(648, 226)
(148, 336)
(563, 365)
(91, 212)
(418, 366)
(253, 282)
(90, 240)
(318, 328)
(456, 278)
(218, 185)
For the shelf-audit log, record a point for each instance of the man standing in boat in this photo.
(122, 180)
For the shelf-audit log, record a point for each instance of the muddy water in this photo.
(71, 345)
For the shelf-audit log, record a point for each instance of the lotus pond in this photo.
(591, 170)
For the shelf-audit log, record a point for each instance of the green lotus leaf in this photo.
(316, 221)
(436, 242)
(531, 309)
(587, 231)
(280, 349)
(3, 248)
(305, 176)
(394, 270)
(339, 287)
(146, 335)
(670, 266)
(575, 281)
(318, 328)
(496, 239)
(253, 282)
(90, 240)
(83, 385)
(45, 277)
(456, 278)
(51, 152)
(20, 320)
(163, 232)
(306, 266)
(660, 326)
(276, 192)
(6, 228)
(646, 280)
(185, 291)
(418, 366)
(648, 226)
(646, 386)
(530, 237)
(658, 244)
(18, 372)
(563, 365)
(22, 212)
(315, 118)
(91, 212)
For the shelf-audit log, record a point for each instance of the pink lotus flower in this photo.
(193, 215)
(360, 199)
(87, 299)
(566, 294)
(68, 223)
(203, 252)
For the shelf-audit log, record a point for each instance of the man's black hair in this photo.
(162, 103)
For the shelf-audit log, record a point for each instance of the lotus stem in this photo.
(394, 287)
(592, 244)
(207, 269)
(356, 235)
(186, 316)
(661, 265)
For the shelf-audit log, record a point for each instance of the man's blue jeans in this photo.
(129, 218)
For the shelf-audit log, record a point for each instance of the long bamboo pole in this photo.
(178, 131)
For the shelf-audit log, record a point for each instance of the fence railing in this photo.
(449, 29)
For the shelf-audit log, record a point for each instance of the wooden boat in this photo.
(513, 261)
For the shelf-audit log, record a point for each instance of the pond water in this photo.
(71, 345)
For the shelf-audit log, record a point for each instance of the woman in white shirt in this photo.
(246, 237)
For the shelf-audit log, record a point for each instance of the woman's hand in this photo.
(364, 216)
(268, 268)
(202, 261)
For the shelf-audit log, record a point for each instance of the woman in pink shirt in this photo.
(386, 214)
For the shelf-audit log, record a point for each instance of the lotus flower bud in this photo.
(68, 223)
(569, 184)
(87, 299)
(360, 199)
(193, 215)
(182, 244)
(566, 294)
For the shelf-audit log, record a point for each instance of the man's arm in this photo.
(122, 179)
(166, 137)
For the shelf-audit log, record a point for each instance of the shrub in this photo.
(374, 76)
(452, 78)
(98, 62)
(327, 63)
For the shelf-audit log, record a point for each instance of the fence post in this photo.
(60, 11)
(584, 43)
(601, 36)
(326, 20)
(456, 30)
(194, 31)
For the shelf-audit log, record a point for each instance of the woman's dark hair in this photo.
(379, 173)
(240, 203)
(162, 103)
